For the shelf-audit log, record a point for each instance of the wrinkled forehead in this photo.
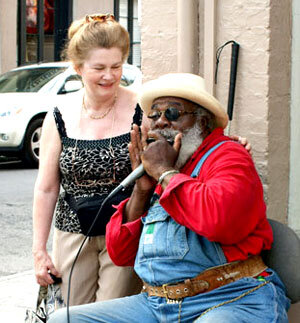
(170, 101)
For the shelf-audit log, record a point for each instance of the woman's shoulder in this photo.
(69, 106)
(127, 94)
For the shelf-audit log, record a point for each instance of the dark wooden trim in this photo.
(40, 30)
(117, 9)
(130, 27)
(21, 32)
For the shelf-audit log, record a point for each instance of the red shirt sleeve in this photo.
(122, 239)
(225, 203)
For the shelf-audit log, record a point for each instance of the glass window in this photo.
(134, 29)
(28, 80)
(32, 31)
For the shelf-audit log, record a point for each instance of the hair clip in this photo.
(99, 17)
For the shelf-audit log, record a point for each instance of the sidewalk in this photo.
(17, 293)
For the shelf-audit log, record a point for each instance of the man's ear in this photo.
(204, 121)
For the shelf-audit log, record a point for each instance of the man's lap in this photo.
(246, 300)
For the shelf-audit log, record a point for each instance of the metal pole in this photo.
(232, 81)
(40, 30)
(22, 33)
(130, 28)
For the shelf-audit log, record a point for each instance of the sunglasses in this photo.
(171, 114)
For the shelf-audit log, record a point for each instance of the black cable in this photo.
(109, 196)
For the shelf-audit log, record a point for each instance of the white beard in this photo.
(191, 140)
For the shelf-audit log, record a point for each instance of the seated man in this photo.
(195, 224)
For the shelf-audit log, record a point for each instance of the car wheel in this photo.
(32, 143)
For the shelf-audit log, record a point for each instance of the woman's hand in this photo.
(243, 141)
(43, 265)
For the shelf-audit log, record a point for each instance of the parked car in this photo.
(28, 92)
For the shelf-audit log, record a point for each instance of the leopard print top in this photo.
(87, 168)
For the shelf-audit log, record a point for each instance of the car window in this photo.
(28, 80)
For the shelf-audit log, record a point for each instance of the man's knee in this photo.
(59, 316)
(218, 316)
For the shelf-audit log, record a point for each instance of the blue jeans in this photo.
(238, 302)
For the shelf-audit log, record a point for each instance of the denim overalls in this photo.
(169, 252)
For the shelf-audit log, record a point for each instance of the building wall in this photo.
(83, 7)
(261, 110)
(294, 201)
(158, 37)
(279, 109)
(8, 35)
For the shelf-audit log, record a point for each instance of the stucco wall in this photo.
(83, 7)
(294, 192)
(248, 24)
(158, 38)
(261, 111)
(279, 109)
(8, 35)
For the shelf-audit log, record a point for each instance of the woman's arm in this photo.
(46, 191)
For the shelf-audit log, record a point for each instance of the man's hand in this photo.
(136, 147)
(160, 156)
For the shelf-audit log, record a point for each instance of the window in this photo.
(126, 12)
(42, 28)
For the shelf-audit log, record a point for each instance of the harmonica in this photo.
(150, 140)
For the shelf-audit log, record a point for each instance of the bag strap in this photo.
(196, 170)
(138, 116)
(60, 124)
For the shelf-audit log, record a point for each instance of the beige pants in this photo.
(94, 276)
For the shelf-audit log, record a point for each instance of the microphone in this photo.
(135, 174)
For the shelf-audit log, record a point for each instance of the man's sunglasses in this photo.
(171, 114)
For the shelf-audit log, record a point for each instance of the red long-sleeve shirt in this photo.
(224, 204)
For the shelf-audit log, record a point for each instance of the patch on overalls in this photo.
(149, 234)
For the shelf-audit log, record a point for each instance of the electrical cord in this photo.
(109, 196)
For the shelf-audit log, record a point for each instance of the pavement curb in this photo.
(16, 276)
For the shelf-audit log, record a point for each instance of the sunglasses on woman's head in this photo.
(171, 114)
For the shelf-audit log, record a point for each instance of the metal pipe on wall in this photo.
(209, 43)
(187, 36)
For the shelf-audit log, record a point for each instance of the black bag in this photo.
(87, 208)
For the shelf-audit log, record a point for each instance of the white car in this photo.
(28, 92)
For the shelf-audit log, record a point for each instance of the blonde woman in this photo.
(84, 151)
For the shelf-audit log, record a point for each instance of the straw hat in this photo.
(182, 85)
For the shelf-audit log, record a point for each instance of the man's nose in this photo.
(162, 122)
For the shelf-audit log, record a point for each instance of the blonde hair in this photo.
(95, 31)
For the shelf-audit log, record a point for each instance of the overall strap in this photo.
(204, 157)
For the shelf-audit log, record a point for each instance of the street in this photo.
(16, 194)
(18, 289)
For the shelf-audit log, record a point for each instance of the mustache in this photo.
(168, 134)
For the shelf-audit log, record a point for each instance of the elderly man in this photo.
(195, 224)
